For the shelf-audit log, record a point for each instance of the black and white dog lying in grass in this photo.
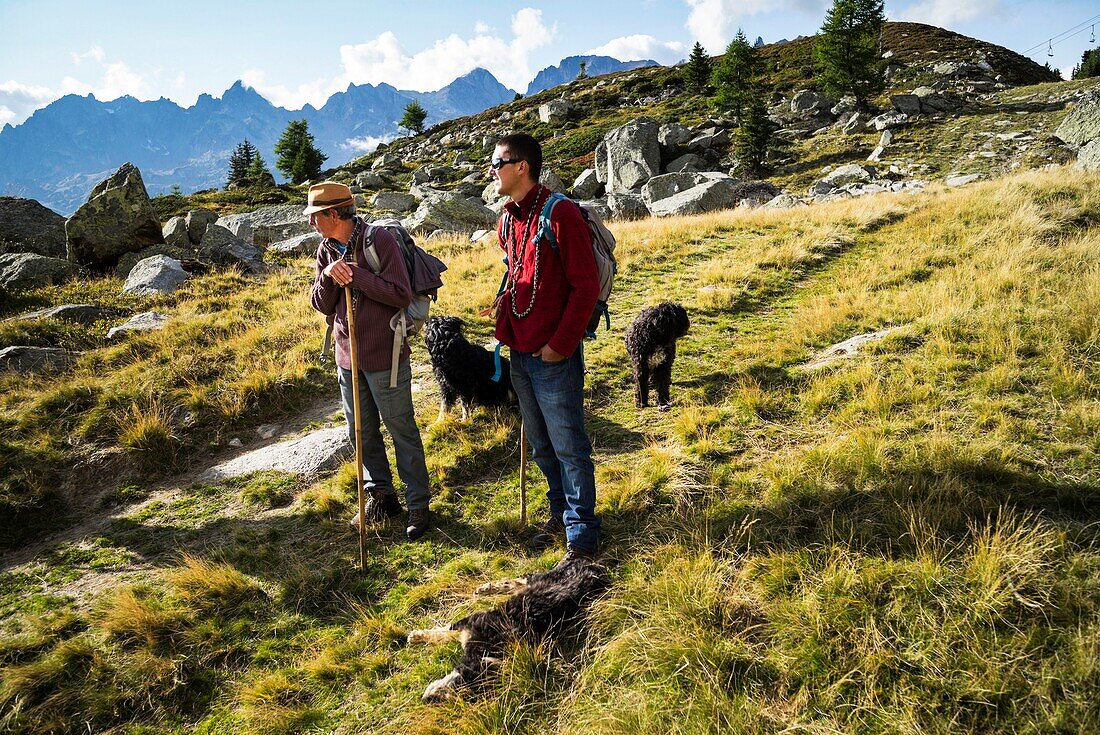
(543, 604)
(463, 370)
(651, 344)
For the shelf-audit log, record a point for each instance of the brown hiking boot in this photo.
(573, 554)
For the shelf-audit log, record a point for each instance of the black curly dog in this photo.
(544, 605)
(463, 370)
(651, 344)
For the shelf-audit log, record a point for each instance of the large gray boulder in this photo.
(586, 185)
(687, 163)
(127, 262)
(197, 221)
(393, 201)
(387, 161)
(24, 271)
(671, 135)
(147, 321)
(807, 102)
(175, 232)
(220, 246)
(155, 276)
(1082, 123)
(1088, 158)
(308, 456)
(301, 245)
(28, 227)
(908, 104)
(22, 359)
(269, 224)
(666, 185)
(555, 112)
(86, 314)
(853, 172)
(118, 218)
(629, 155)
(709, 196)
(888, 121)
(551, 180)
(371, 180)
(450, 212)
(626, 205)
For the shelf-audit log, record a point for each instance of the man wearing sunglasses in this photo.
(541, 314)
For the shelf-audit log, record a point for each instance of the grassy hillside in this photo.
(903, 542)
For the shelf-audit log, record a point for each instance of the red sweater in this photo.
(377, 299)
(568, 282)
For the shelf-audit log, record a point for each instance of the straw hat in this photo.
(326, 195)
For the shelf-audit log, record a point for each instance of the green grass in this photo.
(901, 542)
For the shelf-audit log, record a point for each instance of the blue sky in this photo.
(293, 55)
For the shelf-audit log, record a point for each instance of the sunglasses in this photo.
(498, 163)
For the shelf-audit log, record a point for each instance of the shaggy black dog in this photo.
(544, 605)
(651, 344)
(464, 371)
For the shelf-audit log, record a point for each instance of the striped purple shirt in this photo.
(377, 299)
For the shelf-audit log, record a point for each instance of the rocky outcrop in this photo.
(174, 232)
(147, 321)
(221, 247)
(625, 205)
(551, 180)
(118, 218)
(586, 185)
(1088, 158)
(629, 155)
(713, 192)
(302, 245)
(155, 276)
(22, 359)
(28, 227)
(24, 271)
(1082, 122)
(393, 201)
(127, 262)
(197, 221)
(269, 224)
(308, 456)
(450, 212)
(556, 112)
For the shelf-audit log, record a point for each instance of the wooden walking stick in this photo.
(358, 427)
(522, 474)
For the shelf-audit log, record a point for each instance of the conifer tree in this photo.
(847, 49)
(735, 76)
(414, 118)
(753, 139)
(298, 156)
(582, 71)
(697, 70)
(258, 172)
(239, 162)
(1089, 66)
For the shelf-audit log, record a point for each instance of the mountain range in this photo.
(63, 150)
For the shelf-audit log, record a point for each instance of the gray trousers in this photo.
(378, 404)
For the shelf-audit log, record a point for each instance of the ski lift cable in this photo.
(1066, 33)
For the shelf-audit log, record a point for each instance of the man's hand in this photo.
(548, 355)
(339, 271)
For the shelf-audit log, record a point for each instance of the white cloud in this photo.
(384, 60)
(95, 52)
(18, 101)
(714, 22)
(946, 13)
(481, 28)
(639, 46)
(367, 144)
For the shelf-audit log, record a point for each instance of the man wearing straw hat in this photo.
(375, 299)
(546, 301)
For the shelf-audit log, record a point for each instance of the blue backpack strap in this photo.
(544, 219)
(499, 373)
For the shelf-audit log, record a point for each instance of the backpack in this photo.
(603, 249)
(423, 270)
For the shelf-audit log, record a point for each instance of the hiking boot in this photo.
(573, 554)
(551, 531)
(420, 520)
(379, 508)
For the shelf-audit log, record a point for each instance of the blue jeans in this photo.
(378, 404)
(551, 400)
